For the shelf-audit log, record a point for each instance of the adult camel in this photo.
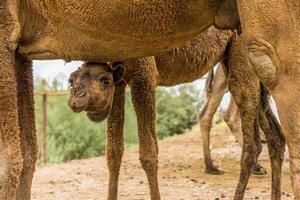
(106, 30)
(273, 43)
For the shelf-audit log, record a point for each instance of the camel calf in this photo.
(99, 90)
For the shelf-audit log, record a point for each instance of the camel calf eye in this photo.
(105, 81)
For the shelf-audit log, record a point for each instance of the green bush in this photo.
(177, 110)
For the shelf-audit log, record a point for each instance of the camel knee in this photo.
(228, 120)
(149, 163)
(149, 159)
(205, 120)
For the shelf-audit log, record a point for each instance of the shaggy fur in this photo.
(144, 75)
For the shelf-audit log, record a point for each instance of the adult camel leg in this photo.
(251, 147)
(245, 88)
(23, 69)
(275, 141)
(11, 162)
(287, 95)
(233, 120)
(115, 140)
(143, 98)
(206, 115)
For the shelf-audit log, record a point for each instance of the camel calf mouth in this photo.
(78, 104)
(98, 116)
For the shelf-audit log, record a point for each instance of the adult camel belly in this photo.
(111, 30)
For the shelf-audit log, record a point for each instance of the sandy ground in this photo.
(181, 174)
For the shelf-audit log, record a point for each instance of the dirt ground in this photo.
(181, 174)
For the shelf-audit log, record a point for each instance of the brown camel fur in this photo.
(16, 118)
(63, 29)
(113, 30)
(272, 34)
(106, 30)
(216, 87)
(143, 76)
(252, 101)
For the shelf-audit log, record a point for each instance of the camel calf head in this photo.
(92, 89)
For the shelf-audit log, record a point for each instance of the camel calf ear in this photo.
(118, 72)
(227, 16)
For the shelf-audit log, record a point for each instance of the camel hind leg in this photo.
(23, 69)
(275, 142)
(11, 162)
(245, 88)
(251, 146)
(206, 115)
(233, 121)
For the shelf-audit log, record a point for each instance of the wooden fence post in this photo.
(44, 128)
(45, 95)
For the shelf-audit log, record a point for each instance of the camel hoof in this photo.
(214, 170)
(259, 170)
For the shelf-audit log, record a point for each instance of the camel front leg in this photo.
(276, 145)
(206, 116)
(11, 162)
(143, 97)
(23, 69)
(115, 140)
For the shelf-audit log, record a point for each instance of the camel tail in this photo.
(209, 83)
(274, 124)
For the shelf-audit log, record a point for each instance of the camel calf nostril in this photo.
(78, 91)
